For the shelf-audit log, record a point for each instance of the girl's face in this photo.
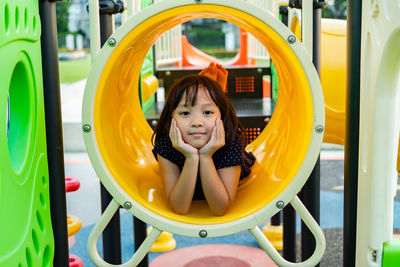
(197, 122)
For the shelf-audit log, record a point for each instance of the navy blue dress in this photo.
(226, 156)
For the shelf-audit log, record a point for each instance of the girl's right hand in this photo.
(178, 143)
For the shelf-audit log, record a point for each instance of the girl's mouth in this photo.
(197, 134)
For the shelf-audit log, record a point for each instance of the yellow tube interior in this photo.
(124, 136)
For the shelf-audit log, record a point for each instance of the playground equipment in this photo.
(24, 171)
(75, 261)
(379, 132)
(191, 56)
(74, 223)
(164, 242)
(333, 73)
(117, 135)
(333, 78)
(25, 225)
(71, 184)
(74, 226)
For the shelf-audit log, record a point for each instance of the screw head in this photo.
(280, 204)
(291, 39)
(203, 233)
(127, 205)
(319, 128)
(86, 128)
(374, 255)
(111, 42)
(198, 1)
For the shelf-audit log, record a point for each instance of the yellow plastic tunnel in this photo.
(333, 75)
(118, 138)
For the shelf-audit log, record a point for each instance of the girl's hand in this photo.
(217, 73)
(216, 141)
(178, 143)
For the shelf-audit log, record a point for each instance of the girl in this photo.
(199, 143)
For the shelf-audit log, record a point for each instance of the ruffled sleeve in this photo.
(164, 148)
(229, 155)
(233, 155)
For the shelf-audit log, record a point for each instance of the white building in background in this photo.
(232, 38)
(78, 22)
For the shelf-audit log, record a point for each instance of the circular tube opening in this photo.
(123, 136)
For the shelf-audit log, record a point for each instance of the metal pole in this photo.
(289, 214)
(276, 219)
(289, 234)
(310, 196)
(354, 15)
(55, 153)
(112, 233)
(311, 190)
(140, 235)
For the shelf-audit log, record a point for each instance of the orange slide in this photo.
(191, 56)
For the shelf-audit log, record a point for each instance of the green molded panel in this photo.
(274, 78)
(147, 66)
(25, 224)
(146, 3)
(391, 253)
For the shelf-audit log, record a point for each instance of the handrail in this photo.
(311, 224)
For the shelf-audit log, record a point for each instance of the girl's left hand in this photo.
(217, 140)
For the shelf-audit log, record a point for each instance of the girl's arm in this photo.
(219, 186)
(179, 186)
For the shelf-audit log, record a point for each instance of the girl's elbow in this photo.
(221, 209)
(219, 212)
(178, 208)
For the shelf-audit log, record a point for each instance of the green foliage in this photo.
(336, 9)
(205, 33)
(204, 37)
(62, 16)
(221, 54)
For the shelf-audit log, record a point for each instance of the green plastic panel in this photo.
(391, 253)
(274, 77)
(25, 225)
(147, 66)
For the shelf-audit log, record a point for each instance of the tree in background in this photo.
(336, 9)
(62, 21)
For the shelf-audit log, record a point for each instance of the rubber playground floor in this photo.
(85, 204)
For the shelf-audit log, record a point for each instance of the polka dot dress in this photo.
(227, 156)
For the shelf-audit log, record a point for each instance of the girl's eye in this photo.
(184, 113)
(208, 112)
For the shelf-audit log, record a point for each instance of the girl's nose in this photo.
(196, 122)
